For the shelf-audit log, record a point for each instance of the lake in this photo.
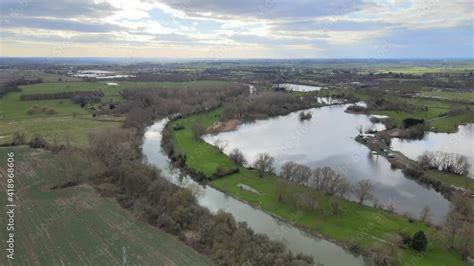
(328, 140)
(298, 87)
(298, 241)
(461, 142)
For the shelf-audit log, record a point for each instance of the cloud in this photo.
(60, 24)
(358, 28)
(56, 8)
(264, 9)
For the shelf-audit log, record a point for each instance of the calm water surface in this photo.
(461, 142)
(296, 240)
(328, 140)
(297, 87)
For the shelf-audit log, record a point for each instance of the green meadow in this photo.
(70, 121)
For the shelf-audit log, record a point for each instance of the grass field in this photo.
(356, 223)
(446, 123)
(70, 121)
(450, 95)
(75, 226)
(451, 179)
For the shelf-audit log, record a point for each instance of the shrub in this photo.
(237, 156)
(50, 111)
(221, 172)
(31, 111)
(419, 241)
(38, 143)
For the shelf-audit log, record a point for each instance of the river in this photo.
(298, 241)
(328, 140)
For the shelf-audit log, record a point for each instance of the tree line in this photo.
(114, 164)
(444, 161)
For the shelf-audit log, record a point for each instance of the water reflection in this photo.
(461, 142)
(328, 140)
(296, 240)
(297, 87)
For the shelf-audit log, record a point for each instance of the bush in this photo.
(32, 110)
(38, 143)
(419, 241)
(237, 156)
(50, 111)
(221, 172)
(178, 127)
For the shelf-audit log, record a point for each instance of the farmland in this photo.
(77, 226)
(69, 121)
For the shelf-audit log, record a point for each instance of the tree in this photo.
(113, 146)
(220, 145)
(466, 239)
(264, 163)
(69, 167)
(382, 254)
(237, 156)
(452, 225)
(419, 241)
(198, 130)
(425, 214)
(19, 138)
(364, 190)
(287, 170)
(461, 203)
(282, 190)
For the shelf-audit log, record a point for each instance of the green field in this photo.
(450, 95)
(451, 179)
(70, 121)
(356, 223)
(76, 226)
(435, 115)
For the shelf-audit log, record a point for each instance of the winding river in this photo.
(328, 140)
(324, 252)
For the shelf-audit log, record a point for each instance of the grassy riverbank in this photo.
(76, 226)
(354, 224)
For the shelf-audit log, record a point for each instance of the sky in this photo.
(232, 29)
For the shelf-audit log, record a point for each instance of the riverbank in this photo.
(443, 182)
(356, 226)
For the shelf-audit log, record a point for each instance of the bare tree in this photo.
(452, 225)
(301, 174)
(425, 214)
(364, 190)
(264, 163)
(220, 145)
(198, 130)
(461, 203)
(70, 167)
(344, 188)
(287, 170)
(237, 156)
(466, 240)
(382, 254)
(113, 146)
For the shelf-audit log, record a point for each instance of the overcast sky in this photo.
(238, 28)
